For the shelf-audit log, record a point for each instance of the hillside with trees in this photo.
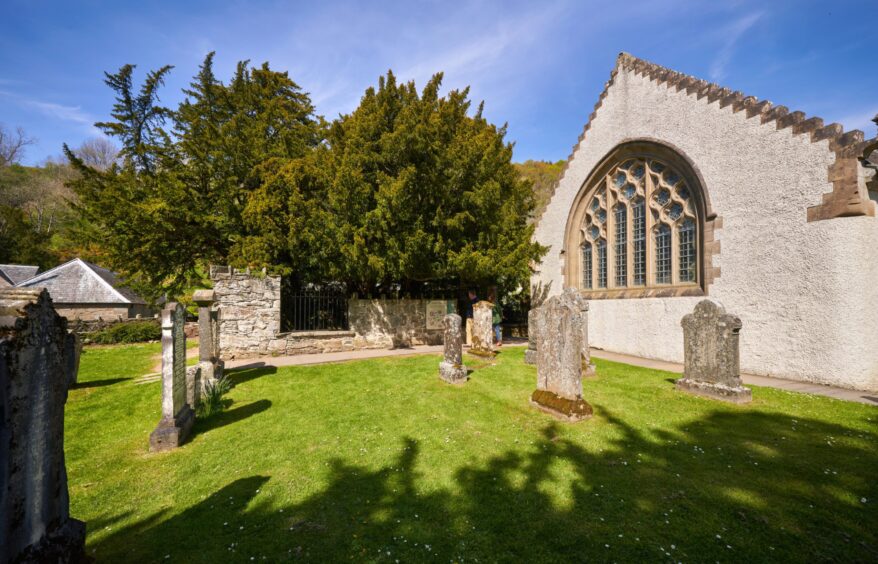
(543, 175)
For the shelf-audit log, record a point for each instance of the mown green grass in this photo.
(380, 461)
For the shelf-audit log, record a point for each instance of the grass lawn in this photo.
(380, 461)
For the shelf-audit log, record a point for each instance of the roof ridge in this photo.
(839, 140)
(843, 144)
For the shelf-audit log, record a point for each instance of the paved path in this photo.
(779, 383)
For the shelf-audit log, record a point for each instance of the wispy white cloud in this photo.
(73, 114)
(731, 35)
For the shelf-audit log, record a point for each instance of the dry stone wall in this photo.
(249, 305)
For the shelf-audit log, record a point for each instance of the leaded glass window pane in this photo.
(621, 248)
(638, 235)
(586, 266)
(663, 254)
(658, 200)
(687, 251)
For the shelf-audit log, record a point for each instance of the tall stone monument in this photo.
(711, 354)
(559, 361)
(208, 335)
(452, 369)
(177, 415)
(483, 329)
(533, 319)
(35, 368)
(575, 298)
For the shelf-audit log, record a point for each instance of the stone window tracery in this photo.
(640, 229)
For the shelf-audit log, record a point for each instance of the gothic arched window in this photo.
(640, 229)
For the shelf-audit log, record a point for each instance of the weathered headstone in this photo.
(177, 415)
(483, 329)
(210, 365)
(35, 369)
(577, 300)
(711, 354)
(559, 361)
(533, 320)
(452, 369)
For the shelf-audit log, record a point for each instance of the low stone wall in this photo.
(387, 323)
(249, 307)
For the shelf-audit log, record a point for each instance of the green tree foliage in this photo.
(407, 187)
(543, 175)
(177, 198)
(20, 243)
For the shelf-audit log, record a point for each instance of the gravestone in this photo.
(177, 415)
(36, 368)
(559, 361)
(209, 363)
(483, 329)
(711, 354)
(577, 300)
(530, 354)
(451, 369)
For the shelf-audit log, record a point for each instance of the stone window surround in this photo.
(707, 222)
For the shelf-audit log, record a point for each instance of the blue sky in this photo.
(538, 65)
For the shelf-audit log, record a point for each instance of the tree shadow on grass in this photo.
(249, 372)
(731, 486)
(98, 383)
(229, 416)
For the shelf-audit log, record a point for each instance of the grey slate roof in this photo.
(17, 273)
(81, 282)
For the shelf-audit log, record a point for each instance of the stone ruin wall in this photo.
(250, 318)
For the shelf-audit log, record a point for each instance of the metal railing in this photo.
(313, 308)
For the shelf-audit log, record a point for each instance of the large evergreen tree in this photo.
(408, 187)
(176, 200)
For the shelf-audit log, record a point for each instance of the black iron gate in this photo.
(313, 307)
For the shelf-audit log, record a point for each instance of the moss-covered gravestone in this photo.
(451, 369)
(37, 363)
(177, 415)
(711, 354)
(559, 361)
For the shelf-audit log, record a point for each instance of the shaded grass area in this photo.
(380, 461)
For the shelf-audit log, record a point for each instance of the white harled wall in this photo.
(807, 293)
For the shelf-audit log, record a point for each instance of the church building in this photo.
(679, 189)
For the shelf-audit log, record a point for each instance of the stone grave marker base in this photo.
(530, 356)
(739, 394)
(484, 353)
(64, 544)
(588, 370)
(561, 408)
(171, 433)
(452, 373)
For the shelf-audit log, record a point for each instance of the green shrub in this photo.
(133, 332)
(212, 400)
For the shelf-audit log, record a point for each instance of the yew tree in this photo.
(411, 186)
